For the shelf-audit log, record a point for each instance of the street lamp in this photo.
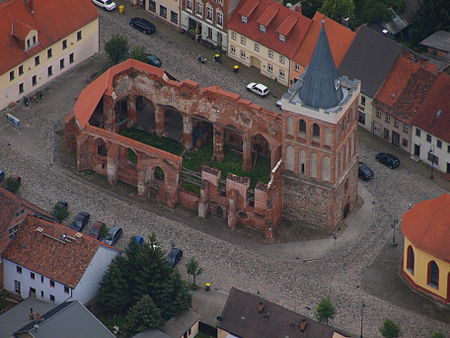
(362, 314)
(393, 226)
(431, 152)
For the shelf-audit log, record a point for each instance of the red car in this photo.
(95, 230)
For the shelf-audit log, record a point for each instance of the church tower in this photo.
(320, 151)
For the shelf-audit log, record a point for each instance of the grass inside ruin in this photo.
(193, 160)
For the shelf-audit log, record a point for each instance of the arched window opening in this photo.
(433, 274)
(410, 260)
(315, 132)
(159, 174)
(302, 128)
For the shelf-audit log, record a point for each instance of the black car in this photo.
(388, 160)
(143, 25)
(364, 172)
(80, 221)
(174, 256)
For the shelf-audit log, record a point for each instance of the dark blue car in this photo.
(174, 256)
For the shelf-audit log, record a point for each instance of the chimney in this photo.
(39, 233)
(302, 325)
(37, 316)
(261, 307)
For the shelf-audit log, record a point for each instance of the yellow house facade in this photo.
(38, 60)
(253, 54)
(426, 255)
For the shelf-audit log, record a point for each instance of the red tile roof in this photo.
(263, 13)
(248, 7)
(404, 89)
(427, 226)
(433, 115)
(53, 21)
(339, 37)
(287, 25)
(44, 252)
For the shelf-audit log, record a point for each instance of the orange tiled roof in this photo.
(427, 226)
(65, 262)
(339, 37)
(53, 21)
(274, 16)
(433, 115)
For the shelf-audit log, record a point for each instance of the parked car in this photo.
(94, 232)
(80, 221)
(105, 4)
(113, 235)
(364, 172)
(258, 89)
(388, 160)
(143, 25)
(2, 175)
(153, 60)
(174, 256)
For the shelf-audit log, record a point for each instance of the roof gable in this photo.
(427, 226)
(45, 253)
(53, 20)
(278, 20)
(370, 59)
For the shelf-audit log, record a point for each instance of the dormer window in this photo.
(262, 28)
(282, 37)
(244, 18)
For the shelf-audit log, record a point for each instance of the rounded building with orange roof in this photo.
(426, 255)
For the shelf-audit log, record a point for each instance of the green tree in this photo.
(372, 11)
(143, 315)
(113, 294)
(437, 335)
(325, 310)
(60, 212)
(389, 329)
(175, 297)
(117, 48)
(12, 184)
(193, 269)
(138, 53)
(338, 9)
(431, 16)
(103, 232)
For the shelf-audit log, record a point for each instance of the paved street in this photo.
(295, 285)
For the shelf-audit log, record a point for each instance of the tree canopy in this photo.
(389, 329)
(143, 270)
(143, 315)
(117, 48)
(325, 310)
(338, 9)
(138, 53)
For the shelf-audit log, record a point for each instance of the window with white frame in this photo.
(233, 36)
(219, 18)
(282, 59)
(405, 128)
(269, 68)
(297, 67)
(282, 74)
(256, 47)
(262, 28)
(199, 7)
(209, 13)
(282, 37)
(270, 53)
(244, 18)
(439, 144)
(378, 113)
(220, 2)
(243, 54)
(12, 231)
(243, 40)
(232, 49)
(189, 4)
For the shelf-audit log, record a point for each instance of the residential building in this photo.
(426, 255)
(21, 314)
(339, 37)
(431, 127)
(42, 39)
(250, 316)
(400, 96)
(69, 319)
(266, 35)
(319, 142)
(206, 20)
(53, 263)
(165, 10)
(370, 59)
(438, 44)
(13, 210)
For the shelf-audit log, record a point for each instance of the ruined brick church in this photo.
(310, 143)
